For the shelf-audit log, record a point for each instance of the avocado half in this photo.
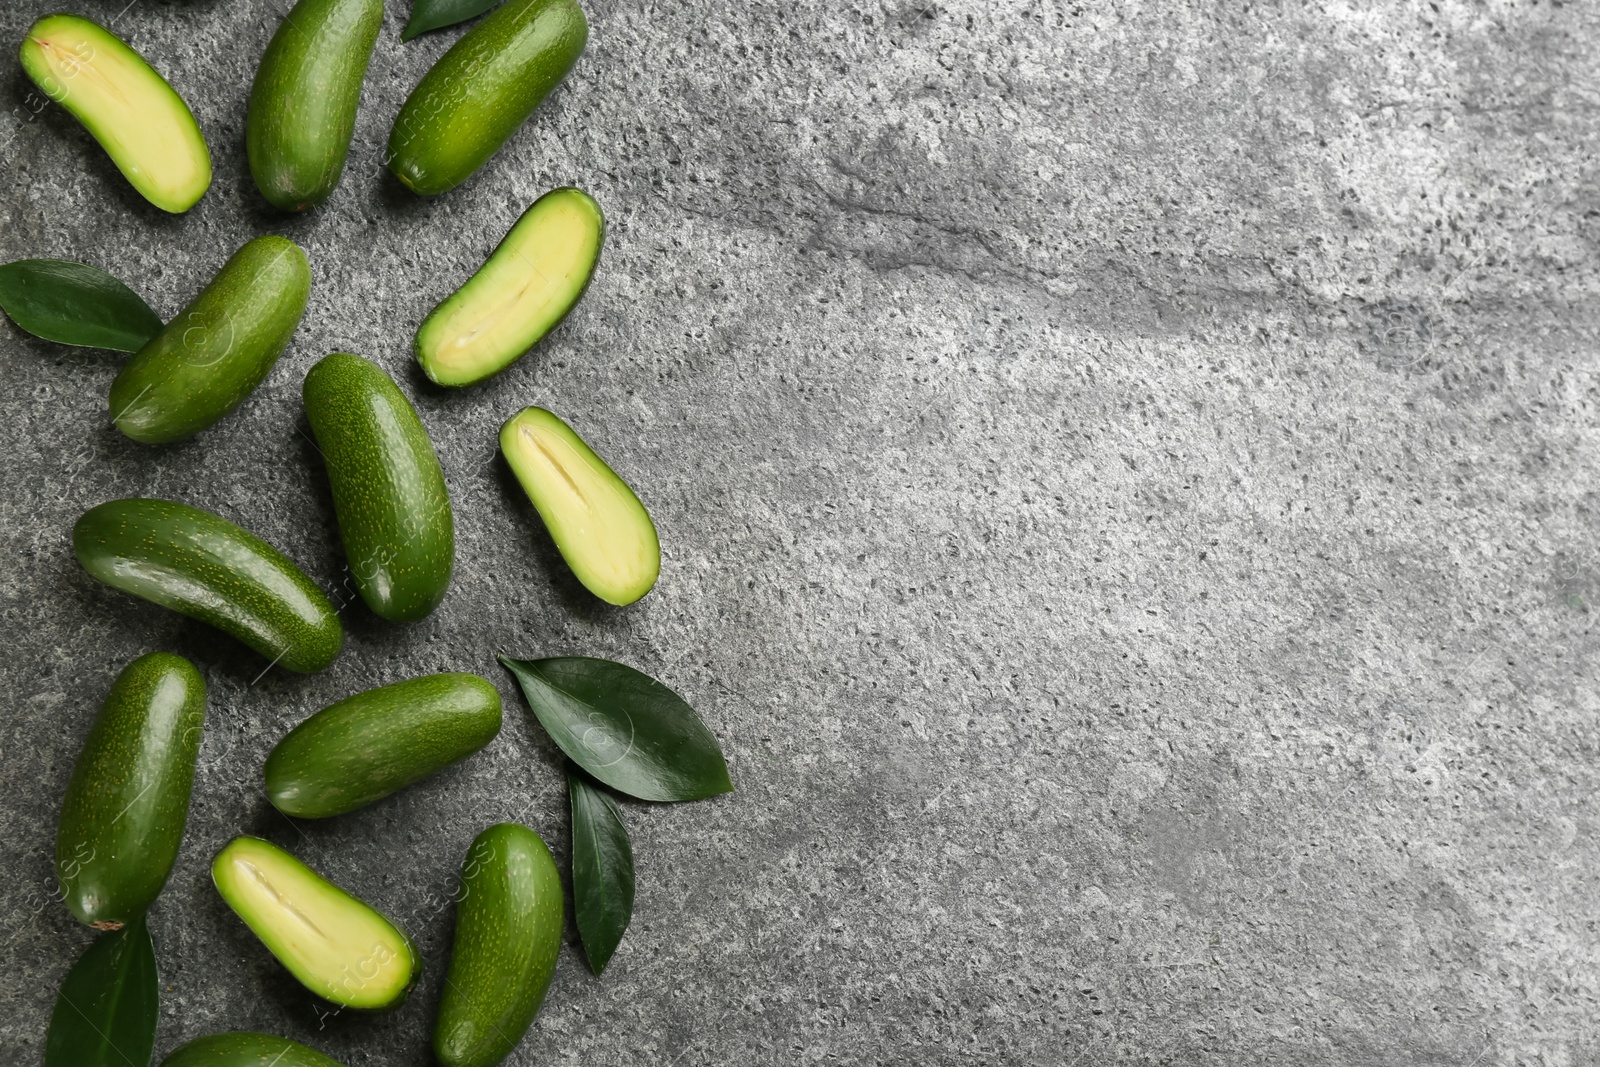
(528, 285)
(603, 531)
(138, 118)
(338, 946)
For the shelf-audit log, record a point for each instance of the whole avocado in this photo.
(208, 359)
(304, 99)
(482, 90)
(388, 488)
(128, 800)
(203, 566)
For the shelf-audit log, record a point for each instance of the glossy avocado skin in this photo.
(363, 748)
(388, 488)
(218, 349)
(304, 100)
(128, 801)
(243, 1048)
(508, 935)
(203, 566)
(482, 90)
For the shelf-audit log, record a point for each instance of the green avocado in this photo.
(129, 797)
(482, 90)
(597, 522)
(139, 119)
(337, 946)
(303, 104)
(203, 566)
(208, 359)
(367, 746)
(242, 1048)
(388, 488)
(535, 276)
(508, 935)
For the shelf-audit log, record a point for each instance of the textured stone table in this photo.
(1126, 474)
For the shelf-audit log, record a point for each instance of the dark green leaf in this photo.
(623, 727)
(602, 870)
(75, 304)
(437, 14)
(105, 1015)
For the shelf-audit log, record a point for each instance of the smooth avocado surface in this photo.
(508, 936)
(244, 1048)
(214, 353)
(128, 800)
(367, 746)
(337, 946)
(602, 530)
(138, 118)
(527, 286)
(203, 566)
(482, 90)
(389, 491)
(304, 99)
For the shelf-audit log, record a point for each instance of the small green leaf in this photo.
(623, 727)
(602, 870)
(75, 304)
(437, 14)
(105, 1015)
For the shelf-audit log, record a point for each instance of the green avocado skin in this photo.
(128, 800)
(388, 488)
(508, 934)
(242, 1048)
(203, 566)
(482, 90)
(208, 359)
(367, 746)
(303, 104)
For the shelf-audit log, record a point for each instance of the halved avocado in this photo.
(603, 531)
(339, 947)
(139, 119)
(527, 286)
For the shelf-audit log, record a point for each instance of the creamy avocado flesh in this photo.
(525, 289)
(337, 946)
(601, 528)
(141, 122)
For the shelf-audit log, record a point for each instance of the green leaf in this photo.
(602, 870)
(75, 304)
(437, 14)
(105, 1015)
(623, 727)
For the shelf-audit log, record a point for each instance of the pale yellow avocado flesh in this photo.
(336, 945)
(599, 525)
(141, 122)
(520, 294)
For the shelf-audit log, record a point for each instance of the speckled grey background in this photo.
(1126, 479)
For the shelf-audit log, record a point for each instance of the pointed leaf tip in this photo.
(428, 15)
(75, 304)
(625, 728)
(602, 870)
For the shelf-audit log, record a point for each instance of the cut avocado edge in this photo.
(528, 285)
(134, 113)
(596, 520)
(335, 944)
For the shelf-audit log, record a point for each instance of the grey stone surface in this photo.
(1126, 479)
